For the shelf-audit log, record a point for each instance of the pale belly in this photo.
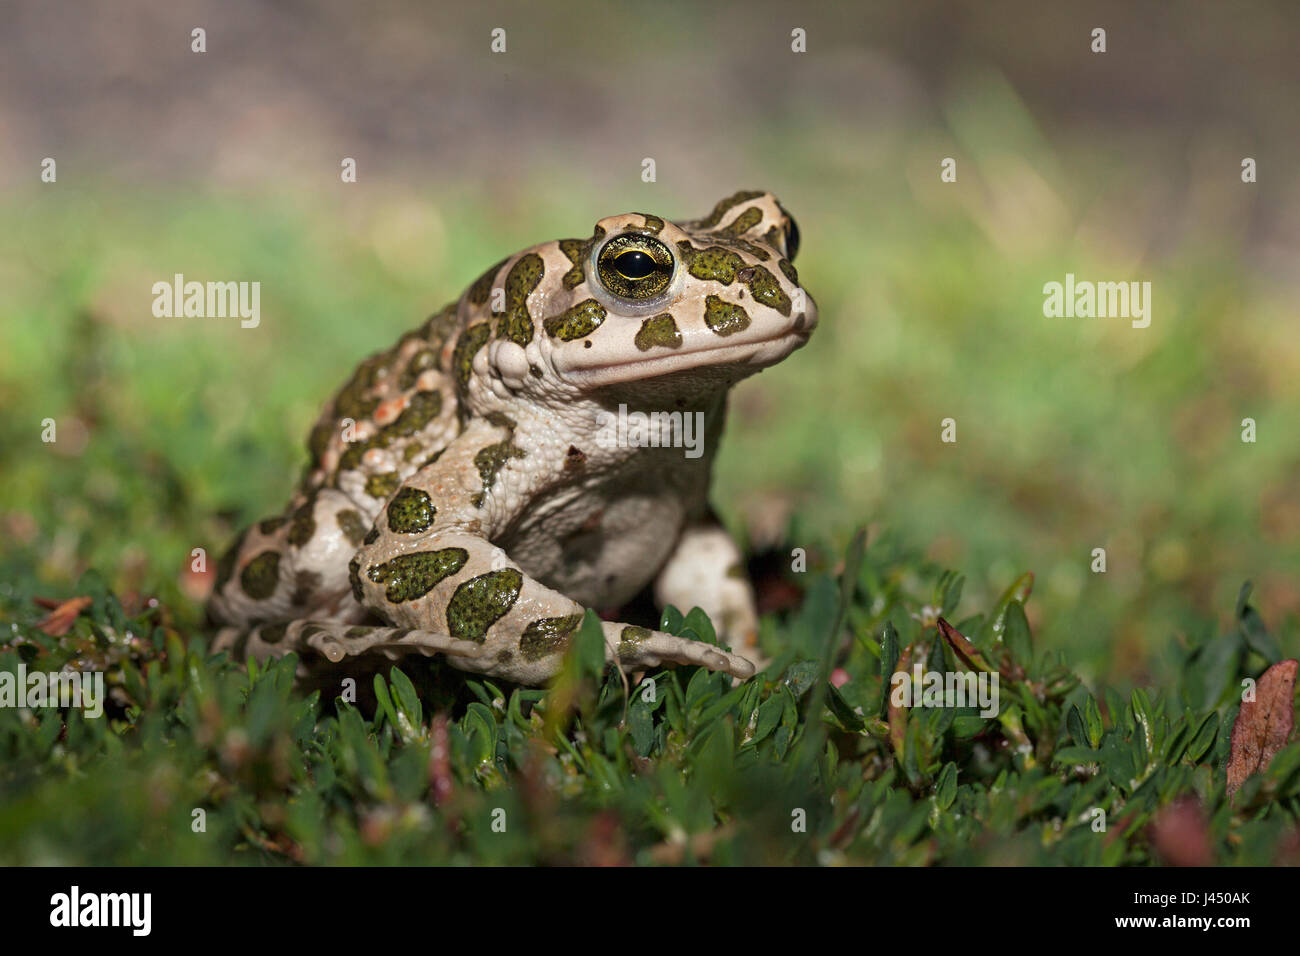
(600, 552)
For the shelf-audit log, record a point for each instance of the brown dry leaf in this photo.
(1263, 725)
(59, 621)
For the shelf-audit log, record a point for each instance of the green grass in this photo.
(198, 761)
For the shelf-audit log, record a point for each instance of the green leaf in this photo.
(720, 707)
(1119, 719)
(966, 727)
(410, 712)
(1142, 717)
(945, 790)
(936, 661)
(1179, 738)
(1077, 756)
(952, 594)
(481, 730)
(385, 703)
(1117, 760)
(1074, 724)
(994, 628)
(1251, 627)
(849, 718)
(769, 715)
(1092, 721)
(671, 620)
(640, 724)
(589, 646)
(1203, 739)
(699, 622)
(1016, 634)
(889, 653)
(800, 676)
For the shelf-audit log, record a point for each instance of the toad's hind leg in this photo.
(334, 641)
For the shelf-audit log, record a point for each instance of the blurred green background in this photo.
(1073, 434)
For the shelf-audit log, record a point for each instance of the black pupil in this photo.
(792, 240)
(635, 264)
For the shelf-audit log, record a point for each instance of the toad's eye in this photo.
(635, 266)
(791, 238)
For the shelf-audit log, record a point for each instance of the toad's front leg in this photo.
(429, 565)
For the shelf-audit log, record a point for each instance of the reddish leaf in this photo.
(59, 621)
(1263, 725)
(441, 784)
(897, 715)
(1181, 834)
(964, 649)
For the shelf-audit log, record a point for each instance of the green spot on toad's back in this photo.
(653, 223)
(658, 330)
(383, 484)
(575, 323)
(576, 251)
(303, 524)
(411, 576)
(525, 275)
(767, 291)
(715, 263)
(319, 441)
(723, 317)
(226, 566)
(548, 635)
(354, 578)
(353, 400)
(261, 575)
(491, 459)
(746, 221)
(744, 245)
(421, 409)
(350, 523)
(439, 327)
(462, 357)
(482, 287)
(723, 207)
(787, 267)
(480, 602)
(420, 363)
(410, 512)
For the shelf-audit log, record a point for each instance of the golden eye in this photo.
(635, 266)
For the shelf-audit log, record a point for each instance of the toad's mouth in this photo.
(732, 361)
